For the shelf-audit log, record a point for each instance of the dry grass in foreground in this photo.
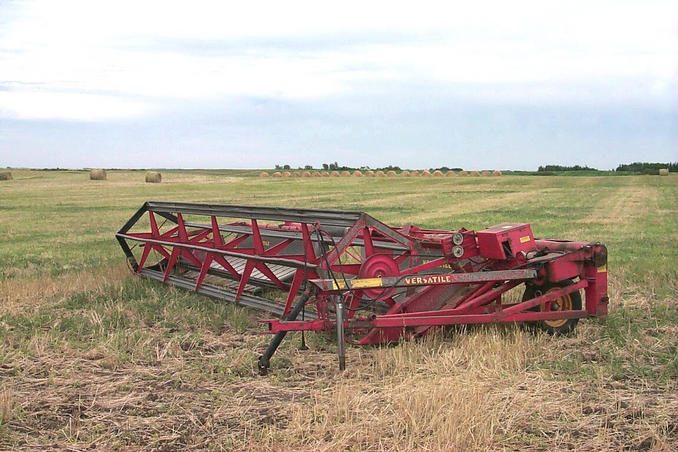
(478, 389)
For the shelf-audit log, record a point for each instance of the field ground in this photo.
(92, 357)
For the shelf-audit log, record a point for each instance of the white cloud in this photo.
(67, 106)
(113, 51)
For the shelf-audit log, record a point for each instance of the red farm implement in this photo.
(372, 283)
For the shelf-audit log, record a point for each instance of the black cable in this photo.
(372, 300)
(346, 285)
(348, 290)
(322, 240)
(324, 256)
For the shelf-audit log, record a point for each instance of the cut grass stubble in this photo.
(91, 356)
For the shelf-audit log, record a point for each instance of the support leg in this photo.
(341, 350)
(265, 359)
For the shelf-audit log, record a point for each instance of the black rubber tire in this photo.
(575, 297)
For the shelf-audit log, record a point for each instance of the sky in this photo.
(476, 85)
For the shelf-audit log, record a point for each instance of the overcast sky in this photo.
(478, 85)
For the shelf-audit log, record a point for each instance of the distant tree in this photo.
(646, 167)
(326, 166)
(286, 166)
(278, 166)
(308, 167)
(551, 168)
(390, 168)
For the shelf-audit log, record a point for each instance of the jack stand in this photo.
(340, 334)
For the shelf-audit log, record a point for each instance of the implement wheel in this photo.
(569, 302)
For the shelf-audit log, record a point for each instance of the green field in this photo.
(91, 356)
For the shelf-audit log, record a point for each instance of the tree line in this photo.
(334, 166)
(646, 167)
(565, 168)
(636, 167)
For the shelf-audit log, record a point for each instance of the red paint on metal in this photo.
(335, 247)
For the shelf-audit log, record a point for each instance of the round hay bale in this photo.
(287, 174)
(663, 171)
(153, 177)
(462, 173)
(496, 173)
(263, 174)
(317, 174)
(334, 174)
(414, 173)
(277, 174)
(306, 174)
(485, 173)
(325, 174)
(474, 174)
(391, 173)
(379, 173)
(438, 173)
(450, 174)
(97, 174)
(405, 173)
(357, 173)
(369, 173)
(6, 175)
(296, 174)
(345, 174)
(426, 173)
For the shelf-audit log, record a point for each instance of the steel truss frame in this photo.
(347, 271)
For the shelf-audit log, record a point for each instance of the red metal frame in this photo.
(396, 282)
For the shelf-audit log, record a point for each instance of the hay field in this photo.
(92, 357)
